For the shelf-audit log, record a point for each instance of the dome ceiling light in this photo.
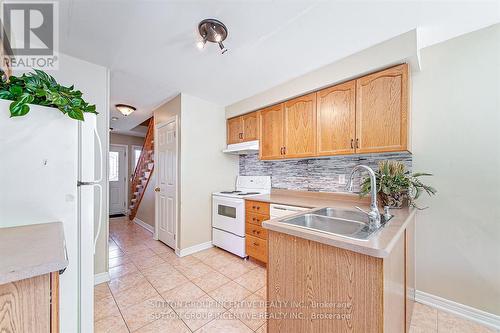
(125, 109)
(214, 31)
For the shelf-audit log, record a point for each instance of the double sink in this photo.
(340, 222)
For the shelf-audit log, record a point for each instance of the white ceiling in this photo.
(150, 45)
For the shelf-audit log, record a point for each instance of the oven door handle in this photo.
(228, 201)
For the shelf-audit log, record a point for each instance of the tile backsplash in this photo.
(322, 174)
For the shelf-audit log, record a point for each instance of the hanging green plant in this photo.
(40, 88)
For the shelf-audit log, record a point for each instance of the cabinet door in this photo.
(382, 111)
(271, 133)
(250, 126)
(336, 114)
(25, 305)
(234, 130)
(256, 248)
(300, 126)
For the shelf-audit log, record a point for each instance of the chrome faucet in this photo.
(373, 214)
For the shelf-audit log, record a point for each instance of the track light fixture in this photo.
(214, 31)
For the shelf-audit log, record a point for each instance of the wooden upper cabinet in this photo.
(250, 126)
(243, 128)
(271, 133)
(336, 112)
(366, 115)
(300, 126)
(382, 111)
(234, 130)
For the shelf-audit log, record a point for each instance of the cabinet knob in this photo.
(157, 189)
(256, 244)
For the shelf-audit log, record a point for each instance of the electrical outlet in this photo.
(342, 179)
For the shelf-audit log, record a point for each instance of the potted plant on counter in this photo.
(396, 186)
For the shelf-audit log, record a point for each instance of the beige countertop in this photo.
(378, 245)
(31, 250)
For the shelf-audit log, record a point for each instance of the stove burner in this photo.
(230, 192)
(248, 193)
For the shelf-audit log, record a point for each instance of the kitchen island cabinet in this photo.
(319, 282)
(31, 258)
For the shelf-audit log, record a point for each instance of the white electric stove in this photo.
(228, 212)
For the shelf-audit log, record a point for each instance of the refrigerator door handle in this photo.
(101, 160)
(99, 186)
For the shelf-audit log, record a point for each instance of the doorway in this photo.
(118, 183)
(166, 182)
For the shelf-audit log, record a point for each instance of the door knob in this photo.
(157, 189)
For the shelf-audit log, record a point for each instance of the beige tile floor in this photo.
(153, 290)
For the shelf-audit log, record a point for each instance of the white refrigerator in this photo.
(49, 171)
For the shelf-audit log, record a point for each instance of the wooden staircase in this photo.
(143, 171)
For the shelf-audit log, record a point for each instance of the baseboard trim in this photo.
(144, 225)
(101, 278)
(461, 310)
(193, 249)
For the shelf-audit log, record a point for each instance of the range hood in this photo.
(242, 148)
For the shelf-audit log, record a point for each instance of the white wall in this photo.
(456, 136)
(204, 168)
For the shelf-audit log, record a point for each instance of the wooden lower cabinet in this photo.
(257, 207)
(256, 248)
(313, 287)
(30, 305)
(255, 235)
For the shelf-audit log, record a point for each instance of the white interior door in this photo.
(166, 182)
(117, 179)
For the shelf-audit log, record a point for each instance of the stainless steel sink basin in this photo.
(341, 222)
(351, 215)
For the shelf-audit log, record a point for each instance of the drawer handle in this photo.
(255, 244)
(253, 207)
(258, 207)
